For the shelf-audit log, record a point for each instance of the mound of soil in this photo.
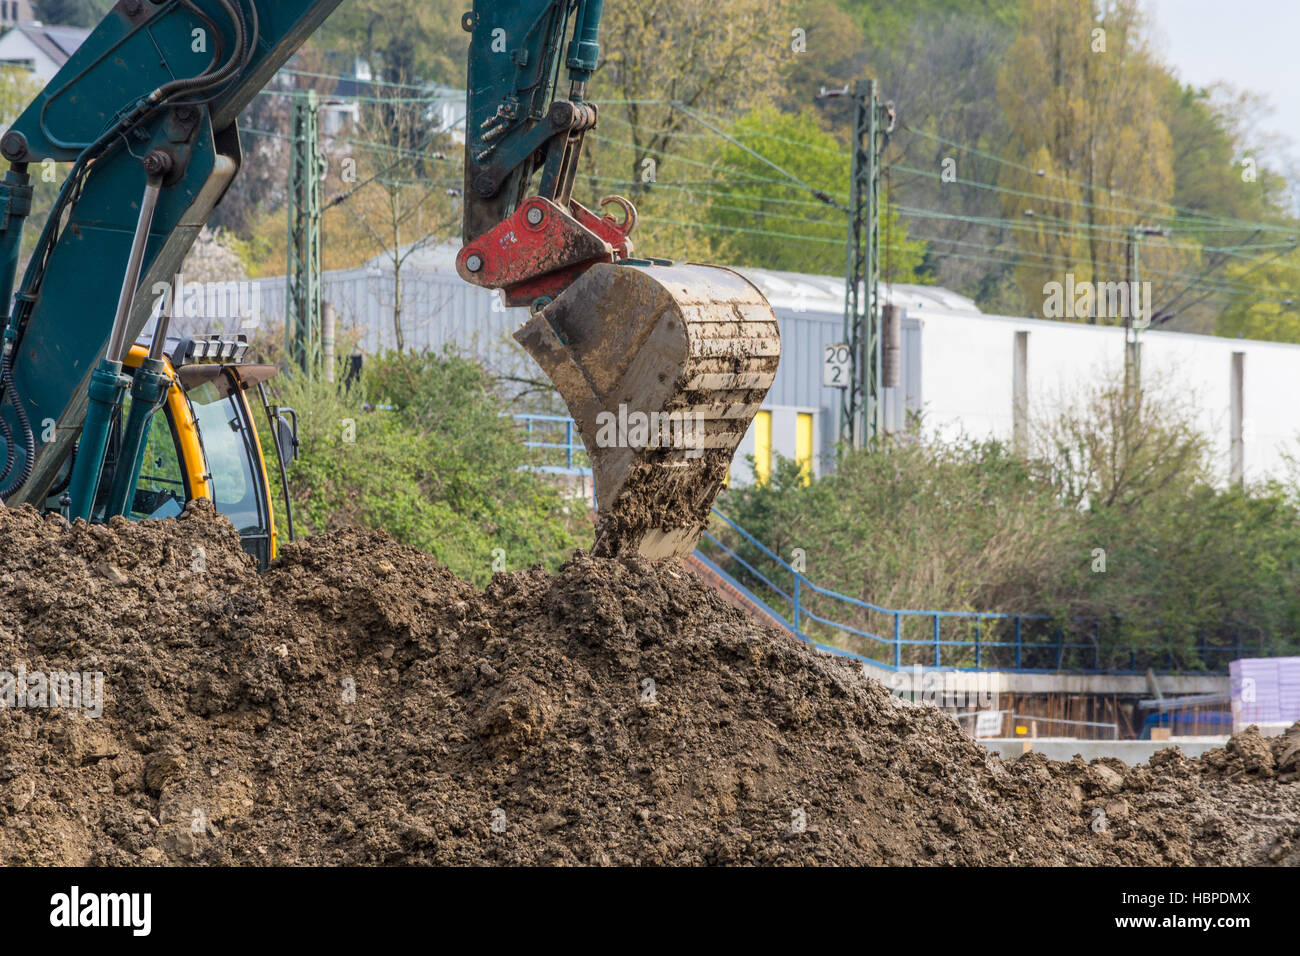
(357, 703)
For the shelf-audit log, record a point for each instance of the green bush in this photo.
(1112, 529)
(420, 448)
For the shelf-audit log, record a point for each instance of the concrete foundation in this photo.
(1132, 752)
(917, 681)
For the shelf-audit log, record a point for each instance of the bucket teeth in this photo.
(662, 368)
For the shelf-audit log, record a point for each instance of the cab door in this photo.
(235, 472)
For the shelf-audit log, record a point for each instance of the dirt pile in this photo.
(359, 704)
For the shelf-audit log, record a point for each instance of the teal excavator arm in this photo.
(145, 112)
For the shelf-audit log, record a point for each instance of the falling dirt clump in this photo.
(656, 495)
(357, 703)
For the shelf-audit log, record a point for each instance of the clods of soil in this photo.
(359, 704)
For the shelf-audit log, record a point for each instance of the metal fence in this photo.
(1026, 725)
(556, 437)
(960, 640)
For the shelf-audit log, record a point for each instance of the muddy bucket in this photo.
(662, 368)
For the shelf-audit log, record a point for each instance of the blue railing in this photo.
(566, 441)
(987, 635)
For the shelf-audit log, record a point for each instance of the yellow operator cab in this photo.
(204, 442)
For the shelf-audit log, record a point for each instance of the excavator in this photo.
(101, 417)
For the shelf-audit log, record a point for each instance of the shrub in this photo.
(420, 448)
(1113, 530)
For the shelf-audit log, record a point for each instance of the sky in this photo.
(1250, 44)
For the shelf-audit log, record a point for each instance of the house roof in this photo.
(56, 42)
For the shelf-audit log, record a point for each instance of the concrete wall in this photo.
(917, 682)
(1132, 752)
(969, 371)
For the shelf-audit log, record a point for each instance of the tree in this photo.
(411, 207)
(72, 13)
(779, 225)
(1221, 171)
(262, 181)
(1266, 303)
(834, 52)
(402, 39)
(889, 21)
(719, 57)
(18, 88)
(390, 190)
(1113, 448)
(1081, 95)
(950, 125)
(1210, 142)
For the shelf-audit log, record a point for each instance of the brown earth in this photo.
(359, 704)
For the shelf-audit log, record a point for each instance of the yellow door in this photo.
(803, 445)
(763, 447)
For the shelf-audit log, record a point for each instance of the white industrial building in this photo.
(961, 369)
(39, 49)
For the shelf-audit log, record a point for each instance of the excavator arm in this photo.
(145, 112)
(662, 366)
(675, 358)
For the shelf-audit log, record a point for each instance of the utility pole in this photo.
(860, 405)
(302, 315)
(1132, 325)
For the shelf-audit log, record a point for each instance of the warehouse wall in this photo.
(969, 372)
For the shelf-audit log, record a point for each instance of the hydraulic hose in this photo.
(7, 435)
(70, 191)
(207, 80)
(29, 443)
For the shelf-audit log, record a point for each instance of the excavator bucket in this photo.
(662, 367)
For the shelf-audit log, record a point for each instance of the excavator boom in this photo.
(678, 357)
(662, 366)
(145, 112)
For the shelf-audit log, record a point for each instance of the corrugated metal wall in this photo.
(438, 309)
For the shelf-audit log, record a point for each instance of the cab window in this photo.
(226, 435)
